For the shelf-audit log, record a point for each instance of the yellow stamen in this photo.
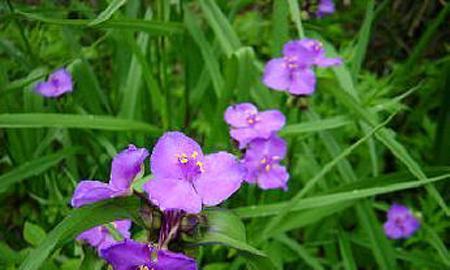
(263, 160)
(143, 267)
(194, 154)
(200, 165)
(267, 168)
(250, 121)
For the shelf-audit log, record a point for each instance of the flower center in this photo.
(267, 162)
(291, 62)
(252, 119)
(190, 165)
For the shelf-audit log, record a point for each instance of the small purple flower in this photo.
(100, 238)
(401, 223)
(184, 178)
(58, 83)
(326, 7)
(262, 162)
(125, 167)
(131, 255)
(293, 72)
(248, 124)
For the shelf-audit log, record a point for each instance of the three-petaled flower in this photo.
(325, 7)
(125, 167)
(262, 162)
(131, 255)
(58, 83)
(184, 178)
(401, 222)
(293, 72)
(248, 124)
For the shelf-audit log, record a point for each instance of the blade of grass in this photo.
(108, 12)
(301, 251)
(314, 126)
(346, 251)
(101, 122)
(295, 15)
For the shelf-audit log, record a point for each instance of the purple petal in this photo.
(277, 75)
(123, 227)
(174, 261)
(165, 156)
(127, 255)
(237, 115)
(261, 148)
(88, 192)
(323, 61)
(222, 176)
(93, 236)
(168, 194)
(126, 166)
(276, 177)
(392, 230)
(398, 211)
(46, 89)
(301, 54)
(244, 135)
(303, 82)
(269, 122)
(325, 7)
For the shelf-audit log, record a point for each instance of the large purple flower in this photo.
(58, 83)
(262, 162)
(185, 179)
(293, 72)
(401, 223)
(125, 167)
(248, 124)
(326, 7)
(131, 255)
(100, 238)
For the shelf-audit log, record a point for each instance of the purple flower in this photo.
(248, 124)
(293, 72)
(401, 223)
(125, 167)
(100, 238)
(185, 179)
(325, 7)
(262, 162)
(131, 255)
(58, 83)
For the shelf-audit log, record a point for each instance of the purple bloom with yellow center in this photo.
(185, 179)
(100, 238)
(401, 222)
(248, 124)
(131, 255)
(58, 83)
(326, 7)
(294, 71)
(125, 167)
(262, 160)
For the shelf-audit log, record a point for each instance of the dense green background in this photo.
(144, 67)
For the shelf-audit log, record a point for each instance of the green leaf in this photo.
(59, 120)
(227, 37)
(295, 15)
(301, 251)
(227, 229)
(108, 12)
(33, 233)
(77, 221)
(346, 252)
(32, 168)
(334, 198)
(314, 126)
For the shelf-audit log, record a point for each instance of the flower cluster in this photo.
(256, 132)
(57, 84)
(294, 71)
(184, 179)
(401, 222)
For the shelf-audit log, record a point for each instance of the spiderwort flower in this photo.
(131, 255)
(325, 7)
(293, 72)
(58, 83)
(401, 223)
(125, 167)
(262, 162)
(100, 238)
(248, 124)
(184, 178)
